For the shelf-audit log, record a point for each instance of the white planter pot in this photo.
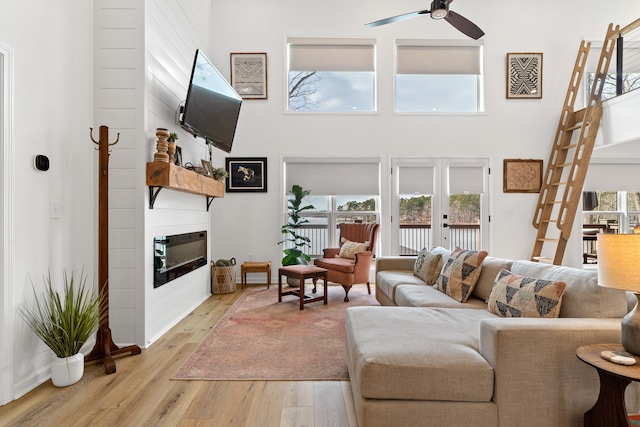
(68, 370)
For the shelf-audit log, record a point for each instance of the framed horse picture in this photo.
(246, 174)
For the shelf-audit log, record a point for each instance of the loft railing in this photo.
(627, 67)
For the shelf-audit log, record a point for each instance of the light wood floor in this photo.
(141, 393)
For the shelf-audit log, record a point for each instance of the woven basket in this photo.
(223, 279)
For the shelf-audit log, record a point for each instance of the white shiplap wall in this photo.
(144, 51)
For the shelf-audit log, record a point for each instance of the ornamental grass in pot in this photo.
(64, 322)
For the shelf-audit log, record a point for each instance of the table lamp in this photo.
(619, 268)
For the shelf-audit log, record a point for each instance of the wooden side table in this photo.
(609, 409)
(302, 272)
(255, 267)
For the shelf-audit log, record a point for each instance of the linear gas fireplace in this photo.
(178, 255)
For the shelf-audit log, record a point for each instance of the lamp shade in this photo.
(619, 261)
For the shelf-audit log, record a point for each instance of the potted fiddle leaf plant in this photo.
(294, 242)
(64, 321)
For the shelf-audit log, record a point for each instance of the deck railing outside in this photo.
(413, 237)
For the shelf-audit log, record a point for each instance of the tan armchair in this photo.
(345, 271)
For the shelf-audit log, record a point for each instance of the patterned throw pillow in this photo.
(520, 296)
(428, 266)
(349, 249)
(460, 273)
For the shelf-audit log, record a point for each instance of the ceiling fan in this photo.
(439, 10)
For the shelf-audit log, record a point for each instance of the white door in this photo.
(439, 202)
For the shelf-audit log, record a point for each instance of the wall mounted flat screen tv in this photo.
(212, 107)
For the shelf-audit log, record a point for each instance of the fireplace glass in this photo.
(177, 255)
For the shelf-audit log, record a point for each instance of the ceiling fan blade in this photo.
(396, 18)
(463, 25)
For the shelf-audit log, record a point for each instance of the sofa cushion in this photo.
(491, 266)
(388, 280)
(418, 354)
(428, 266)
(460, 273)
(520, 296)
(428, 296)
(582, 296)
(349, 249)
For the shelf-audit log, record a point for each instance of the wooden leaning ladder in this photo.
(570, 156)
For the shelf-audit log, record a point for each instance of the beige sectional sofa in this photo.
(424, 359)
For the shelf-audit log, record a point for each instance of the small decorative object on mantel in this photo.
(208, 169)
(522, 175)
(162, 146)
(220, 174)
(524, 75)
(173, 137)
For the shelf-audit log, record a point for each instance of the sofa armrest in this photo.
(536, 360)
(395, 263)
(330, 252)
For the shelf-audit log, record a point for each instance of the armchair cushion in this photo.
(349, 248)
(340, 264)
(460, 273)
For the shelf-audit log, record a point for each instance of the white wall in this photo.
(249, 223)
(52, 113)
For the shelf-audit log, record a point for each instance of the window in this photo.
(437, 76)
(439, 202)
(342, 190)
(610, 202)
(331, 75)
(607, 212)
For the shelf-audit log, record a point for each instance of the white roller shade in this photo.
(612, 177)
(466, 180)
(341, 178)
(331, 54)
(416, 58)
(415, 180)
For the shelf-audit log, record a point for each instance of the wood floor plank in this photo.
(297, 416)
(142, 393)
(329, 405)
(298, 393)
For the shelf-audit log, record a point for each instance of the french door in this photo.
(439, 202)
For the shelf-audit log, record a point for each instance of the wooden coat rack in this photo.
(104, 347)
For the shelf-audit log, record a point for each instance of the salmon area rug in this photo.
(262, 339)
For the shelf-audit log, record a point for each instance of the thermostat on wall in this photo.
(41, 162)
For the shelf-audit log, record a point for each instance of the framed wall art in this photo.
(246, 174)
(249, 75)
(524, 75)
(522, 175)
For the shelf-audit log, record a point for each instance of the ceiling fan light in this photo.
(439, 13)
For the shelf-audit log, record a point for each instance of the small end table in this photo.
(302, 272)
(255, 267)
(610, 408)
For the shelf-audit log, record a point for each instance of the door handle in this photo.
(445, 225)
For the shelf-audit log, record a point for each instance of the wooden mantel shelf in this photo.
(167, 175)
